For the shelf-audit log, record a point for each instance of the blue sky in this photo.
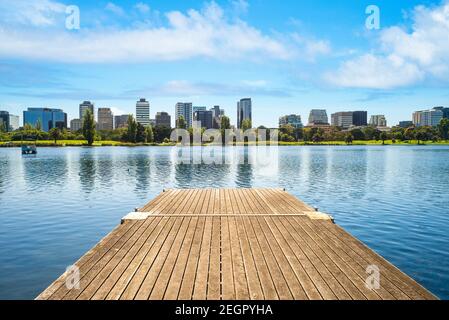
(289, 56)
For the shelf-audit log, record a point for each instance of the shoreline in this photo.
(81, 143)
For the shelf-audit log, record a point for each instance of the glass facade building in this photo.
(244, 111)
(46, 118)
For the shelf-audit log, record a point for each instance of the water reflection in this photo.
(87, 172)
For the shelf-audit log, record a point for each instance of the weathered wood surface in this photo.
(245, 244)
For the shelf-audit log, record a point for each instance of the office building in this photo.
(378, 121)
(429, 118)
(343, 120)
(163, 119)
(184, 109)
(244, 111)
(205, 118)
(198, 108)
(360, 118)
(293, 120)
(121, 121)
(218, 113)
(45, 118)
(14, 122)
(444, 110)
(86, 105)
(9, 122)
(318, 117)
(105, 119)
(405, 124)
(76, 125)
(143, 112)
(4, 121)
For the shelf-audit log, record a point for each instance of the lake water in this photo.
(57, 205)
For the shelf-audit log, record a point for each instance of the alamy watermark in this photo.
(73, 17)
(372, 22)
(372, 282)
(72, 280)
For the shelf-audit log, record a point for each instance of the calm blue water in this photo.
(56, 206)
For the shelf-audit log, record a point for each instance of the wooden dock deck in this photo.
(231, 244)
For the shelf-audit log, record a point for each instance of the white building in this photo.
(378, 121)
(143, 112)
(343, 120)
(76, 125)
(428, 117)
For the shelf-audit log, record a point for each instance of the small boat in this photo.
(28, 149)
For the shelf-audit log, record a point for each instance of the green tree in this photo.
(141, 134)
(161, 133)
(443, 129)
(38, 125)
(150, 134)
(55, 134)
(181, 123)
(358, 134)
(246, 124)
(131, 133)
(2, 127)
(89, 127)
(225, 123)
(383, 137)
(349, 138)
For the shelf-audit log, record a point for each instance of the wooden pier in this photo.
(231, 244)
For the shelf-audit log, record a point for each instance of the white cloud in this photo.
(196, 33)
(240, 6)
(374, 72)
(142, 7)
(115, 9)
(36, 13)
(405, 58)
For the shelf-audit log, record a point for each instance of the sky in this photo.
(289, 56)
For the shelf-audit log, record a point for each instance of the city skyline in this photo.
(343, 119)
(293, 62)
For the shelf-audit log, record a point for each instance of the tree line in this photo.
(137, 133)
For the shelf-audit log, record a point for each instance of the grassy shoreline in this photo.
(82, 143)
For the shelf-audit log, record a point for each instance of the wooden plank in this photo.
(231, 244)
(137, 280)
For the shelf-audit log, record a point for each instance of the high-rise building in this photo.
(163, 119)
(244, 111)
(198, 108)
(378, 121)
(46, 118)
(14, 122)
(184, 109)
(360, 118)
(405, 124)
(86, 105)
(76, 125)
(121, 121)
(4, 120)
(105, 119)
(343, 120)
(205, 118)
(318, 117)
(293, 120)
(143, 112)
(429, 118)
(444, 110)
(217, 115)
